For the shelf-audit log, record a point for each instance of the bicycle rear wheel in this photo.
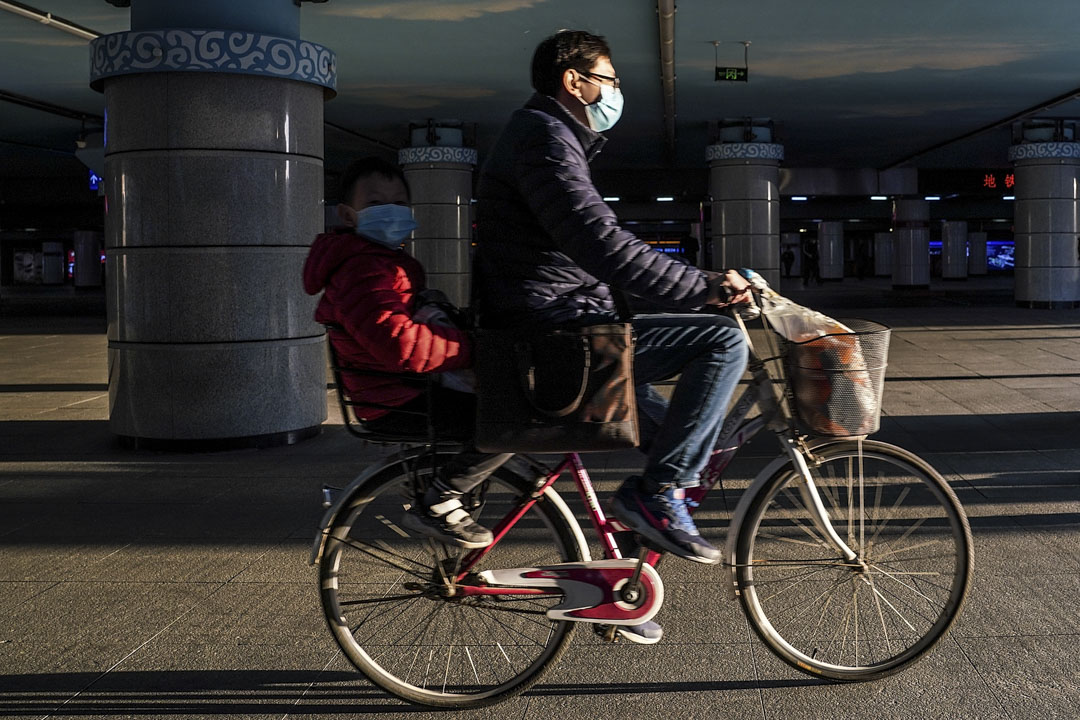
(383, 595)
(874, 616)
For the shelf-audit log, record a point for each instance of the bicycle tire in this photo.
(909, 530)
(377, 626)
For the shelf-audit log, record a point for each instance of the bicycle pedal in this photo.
(607, 633)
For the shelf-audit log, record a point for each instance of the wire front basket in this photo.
(836, 381)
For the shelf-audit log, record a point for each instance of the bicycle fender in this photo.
(732, 541)
(591, 590)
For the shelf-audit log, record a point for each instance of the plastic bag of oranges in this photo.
(836, 391)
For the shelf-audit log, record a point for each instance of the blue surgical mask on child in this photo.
(387, 225)
(606, 111)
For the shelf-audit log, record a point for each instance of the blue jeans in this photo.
(708, 352)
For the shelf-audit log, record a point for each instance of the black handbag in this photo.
(564, 390)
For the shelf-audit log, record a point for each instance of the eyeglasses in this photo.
(603, 78)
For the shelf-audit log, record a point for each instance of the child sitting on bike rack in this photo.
(374, 290)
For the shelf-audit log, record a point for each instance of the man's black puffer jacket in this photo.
(548, 245)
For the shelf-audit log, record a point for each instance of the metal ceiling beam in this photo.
(362, 136)
(47, 18)
(665, 12)
(1015, 117)
(48, 107)
(32, 146)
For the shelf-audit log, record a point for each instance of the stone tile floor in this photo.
(147, 584)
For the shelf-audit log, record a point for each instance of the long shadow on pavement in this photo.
(293, 692)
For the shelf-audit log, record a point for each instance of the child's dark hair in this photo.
(366, 167)
(565, 50)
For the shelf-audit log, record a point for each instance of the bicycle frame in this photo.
(737, 430)
(816, 604)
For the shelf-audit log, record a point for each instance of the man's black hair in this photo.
(366, 167)
(565, 50)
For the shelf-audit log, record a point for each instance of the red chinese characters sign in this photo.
(994, 181)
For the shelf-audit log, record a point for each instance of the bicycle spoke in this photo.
(809, 528)
(928, 543)
(370, 601)
(512, 610)
(913, 610)
(878, 598)
(428, 621)
(903, 496)
(471, 663)
(513, 630)
(803, 577)
(831, 592)
(503, 651)
(356, 545)
(793, 541)
(828, 562)
(807, 607)
(374, 615)
(909, 587)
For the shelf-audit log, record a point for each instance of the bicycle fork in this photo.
(808, 491)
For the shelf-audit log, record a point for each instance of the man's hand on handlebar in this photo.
(730, 288)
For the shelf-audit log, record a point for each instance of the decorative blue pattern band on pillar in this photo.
(744, 151)
(222, 51)
(437, 154)
(1049, 150)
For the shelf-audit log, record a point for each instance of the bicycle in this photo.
(850, 557)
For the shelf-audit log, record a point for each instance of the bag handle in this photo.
(527, 377)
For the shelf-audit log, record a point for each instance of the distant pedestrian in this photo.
(787, 257)
(810, 268)
(690, 246)
(862, 257)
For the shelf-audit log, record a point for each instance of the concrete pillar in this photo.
(440, 174)
(52, 263)
(87, 244)
(911, 243)
(954, 262)
(883, 254)
(744, 181)
(831, 249)
(977, 253)
(214, 184)
(1047, 230)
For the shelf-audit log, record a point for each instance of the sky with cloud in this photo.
(834, 72)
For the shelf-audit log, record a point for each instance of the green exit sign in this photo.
(730, 74)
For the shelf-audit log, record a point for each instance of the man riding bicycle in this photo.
(551, 253)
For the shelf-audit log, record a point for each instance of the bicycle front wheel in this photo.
(384, 594)
(873, 616)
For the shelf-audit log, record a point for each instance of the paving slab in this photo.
(1015, 670)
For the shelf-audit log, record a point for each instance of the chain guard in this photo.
(592, 591)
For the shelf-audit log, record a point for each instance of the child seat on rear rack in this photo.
(354, 421)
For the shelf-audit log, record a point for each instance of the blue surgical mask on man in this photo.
(387, 225)
(606, 111)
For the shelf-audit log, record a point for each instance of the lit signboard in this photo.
(977, 181)
(731, 74)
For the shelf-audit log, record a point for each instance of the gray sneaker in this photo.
(449, 523)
